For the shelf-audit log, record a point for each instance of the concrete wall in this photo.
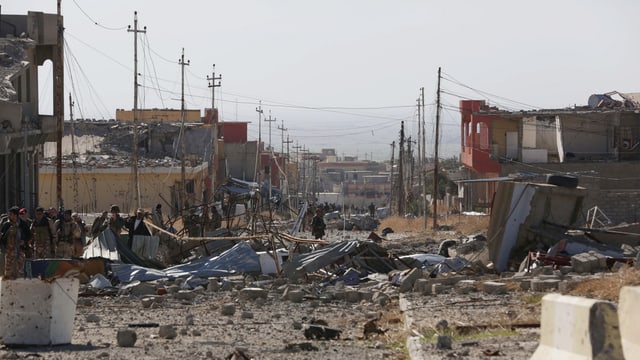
(612, 186)
(94, 190)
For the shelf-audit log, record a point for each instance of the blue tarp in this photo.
(239, 259)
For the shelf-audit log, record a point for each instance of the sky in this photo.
(343, 74)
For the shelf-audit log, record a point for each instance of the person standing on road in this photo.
(43, 230)
(318, 225)
(68, 234)
(12, 235)
(136, 226)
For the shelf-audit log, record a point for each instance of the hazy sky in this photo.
(344, 74)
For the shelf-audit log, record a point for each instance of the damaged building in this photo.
(26, 42)
(598, 143)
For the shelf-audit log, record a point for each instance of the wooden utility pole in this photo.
(423, 164)
(214, 136)
(401, 172)
(268, 174)
(183, 191)
(134, 167)
(282, 129)
(435, 159)
(58, 103)
(73, 154)
(258, 163)
(393, 150)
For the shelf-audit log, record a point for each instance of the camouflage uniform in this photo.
(68, 232)
(14, 256)
(43, 232)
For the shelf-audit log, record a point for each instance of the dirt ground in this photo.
(197, 324)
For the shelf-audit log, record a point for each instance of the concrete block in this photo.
(602, 260)
(406, 280)
(544, 285)
(630, 320)
(252, 293)
(421, 285)
(352, 296)
(493, 287)
(36, 312)
(584, 263)
(578, 328)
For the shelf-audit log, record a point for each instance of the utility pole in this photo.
(270, 156)
(58, 103)
(214, 137)
(136, 184)
(435, 159)
(258, 162)
(423, 169)
(73, 154)
(287, 158)
(297, 149)
(393, 150)
(401, 171)
(182, 135)
(283, 129)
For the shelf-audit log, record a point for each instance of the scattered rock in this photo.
(126, 337)
(167, 332)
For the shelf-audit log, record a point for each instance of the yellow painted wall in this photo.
(97, 189)
(164, 115)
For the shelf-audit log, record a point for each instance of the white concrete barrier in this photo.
(37, 312)
(629, 310)
(578, 328)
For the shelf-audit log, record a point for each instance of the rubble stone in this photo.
(443, 342)
(584, 263)
(247, 315)
(185, 295)
(252, 293)
(544, 285)
(380, 298)
(142, 289)
(365, 295)
(352, 296)
(93, 318)
(295, 296)
(228, 309)
(421, 286)
(126, 337)
(493, 287)
(171, 289)
(406, 280)
(167, 332)
(213, 285)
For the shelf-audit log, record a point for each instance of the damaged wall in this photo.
(520, 207)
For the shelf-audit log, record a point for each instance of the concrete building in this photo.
(159, 115)
(26, 41)
(598, 143)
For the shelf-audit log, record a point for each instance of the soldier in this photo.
(99, 224)
(25, 221)
(68, 233)
(78, 246)
(43, 230)
(11, 236)
(116, 222)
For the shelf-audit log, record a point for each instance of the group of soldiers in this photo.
(58, 234)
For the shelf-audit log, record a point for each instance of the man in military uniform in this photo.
(11, 235)
(78, 246)
(43, 230)
(116, 222)
(68, 233)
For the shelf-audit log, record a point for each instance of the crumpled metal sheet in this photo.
(239, 259)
